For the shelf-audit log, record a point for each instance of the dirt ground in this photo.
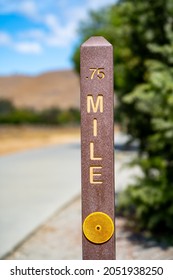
(18, 138)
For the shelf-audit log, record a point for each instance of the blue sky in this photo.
(40, 35)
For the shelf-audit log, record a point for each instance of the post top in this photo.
(95, 41)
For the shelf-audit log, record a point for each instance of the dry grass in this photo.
(18, 138)
(13, 138)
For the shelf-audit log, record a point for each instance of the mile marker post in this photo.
(97, 149)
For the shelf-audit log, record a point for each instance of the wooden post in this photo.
(97, 149)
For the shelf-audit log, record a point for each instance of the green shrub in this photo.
(152, 196)
(54, 116)
(142, 35)
(49, 116)
(69, 116)
(6, 107)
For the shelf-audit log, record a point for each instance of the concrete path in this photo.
(36, 183)
(59, 238)
(33, 185)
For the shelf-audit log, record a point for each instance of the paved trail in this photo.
(33, 185)
(37, 183)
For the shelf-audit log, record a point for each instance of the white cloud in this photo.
(99, 3)
(59, 35)
(55, 34)
(28, 8)
(24, 7)
(28, 48)
(51, 21)
(76, 14)
(58, 22)
(32, 34)
(22, 47)
(5, 38)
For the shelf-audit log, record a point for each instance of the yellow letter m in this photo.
(98, 105)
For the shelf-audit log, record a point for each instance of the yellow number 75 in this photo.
(97, 72)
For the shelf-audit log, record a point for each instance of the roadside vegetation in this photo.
(9, 114)
(142, 35)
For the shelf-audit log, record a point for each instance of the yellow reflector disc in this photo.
(98, 227)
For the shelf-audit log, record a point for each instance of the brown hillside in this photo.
(52, 89)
